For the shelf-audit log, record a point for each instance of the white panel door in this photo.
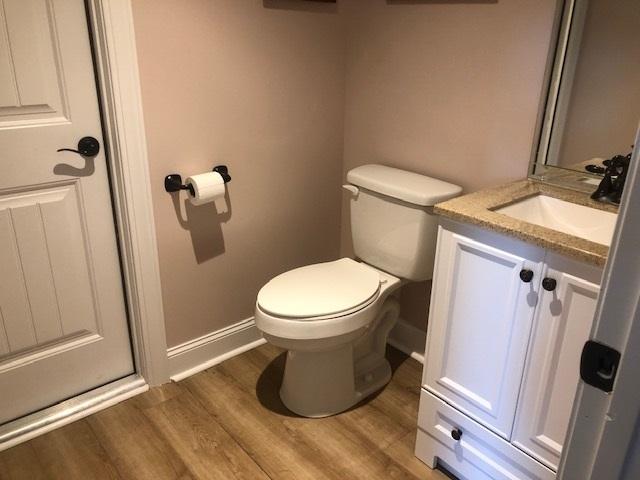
(63, 327)
(561, 328)
(479, 324)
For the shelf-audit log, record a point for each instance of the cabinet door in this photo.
(561, 327)
(479, 323)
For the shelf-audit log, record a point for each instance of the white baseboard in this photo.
(204, 352)
(201, 353)
(408, 339)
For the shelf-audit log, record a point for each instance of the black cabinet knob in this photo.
(549, 284)
(526, 275)
(456, 434)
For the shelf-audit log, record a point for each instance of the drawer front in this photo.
(479, 454)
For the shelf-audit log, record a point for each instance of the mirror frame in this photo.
(558, 82)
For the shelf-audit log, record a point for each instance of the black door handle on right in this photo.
(549, 284)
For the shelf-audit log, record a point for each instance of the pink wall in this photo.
(260, 89)
(447, 89)
(292, 94)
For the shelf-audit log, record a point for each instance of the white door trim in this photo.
(114, 46)
(64, 413)
(602, 425)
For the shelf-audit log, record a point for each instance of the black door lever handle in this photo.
(87, 147)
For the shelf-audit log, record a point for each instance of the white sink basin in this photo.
(578, 220)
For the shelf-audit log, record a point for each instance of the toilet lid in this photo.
(321, 289)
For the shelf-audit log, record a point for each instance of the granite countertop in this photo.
(477, 209)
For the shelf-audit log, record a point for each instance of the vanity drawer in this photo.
(479, 454)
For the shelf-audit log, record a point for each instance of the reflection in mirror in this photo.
(593, 105)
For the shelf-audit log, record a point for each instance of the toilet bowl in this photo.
(335, 339)
(334, 318)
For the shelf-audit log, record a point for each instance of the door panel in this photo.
(63, 326)
(32, 88)
(482, 312)
(46, 289)
(562, 325)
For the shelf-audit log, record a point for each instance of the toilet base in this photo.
(320, 383)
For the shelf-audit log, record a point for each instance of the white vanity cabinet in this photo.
(502, 357)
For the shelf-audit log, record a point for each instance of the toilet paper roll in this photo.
(206, 187)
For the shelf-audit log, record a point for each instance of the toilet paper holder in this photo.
(173, 182)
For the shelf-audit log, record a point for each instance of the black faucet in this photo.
(612, 185)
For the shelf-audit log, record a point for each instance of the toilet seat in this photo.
(350, 291)
(320, 291)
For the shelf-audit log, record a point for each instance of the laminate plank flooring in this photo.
(228, 423)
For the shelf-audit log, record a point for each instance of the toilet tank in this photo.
(392, 222)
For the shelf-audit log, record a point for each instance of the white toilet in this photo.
(334, 317)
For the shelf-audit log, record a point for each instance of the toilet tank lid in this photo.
(407, 186)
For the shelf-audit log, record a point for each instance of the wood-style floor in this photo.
(228, 423)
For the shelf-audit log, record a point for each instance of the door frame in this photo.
(602, 433)
(118, 83)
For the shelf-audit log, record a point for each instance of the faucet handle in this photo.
(610, 189)
(604, 188)
(622, 165)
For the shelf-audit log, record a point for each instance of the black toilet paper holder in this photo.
(173, 182)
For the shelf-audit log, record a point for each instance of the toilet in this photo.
(333, 318)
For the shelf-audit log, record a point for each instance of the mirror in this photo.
(591, 110)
